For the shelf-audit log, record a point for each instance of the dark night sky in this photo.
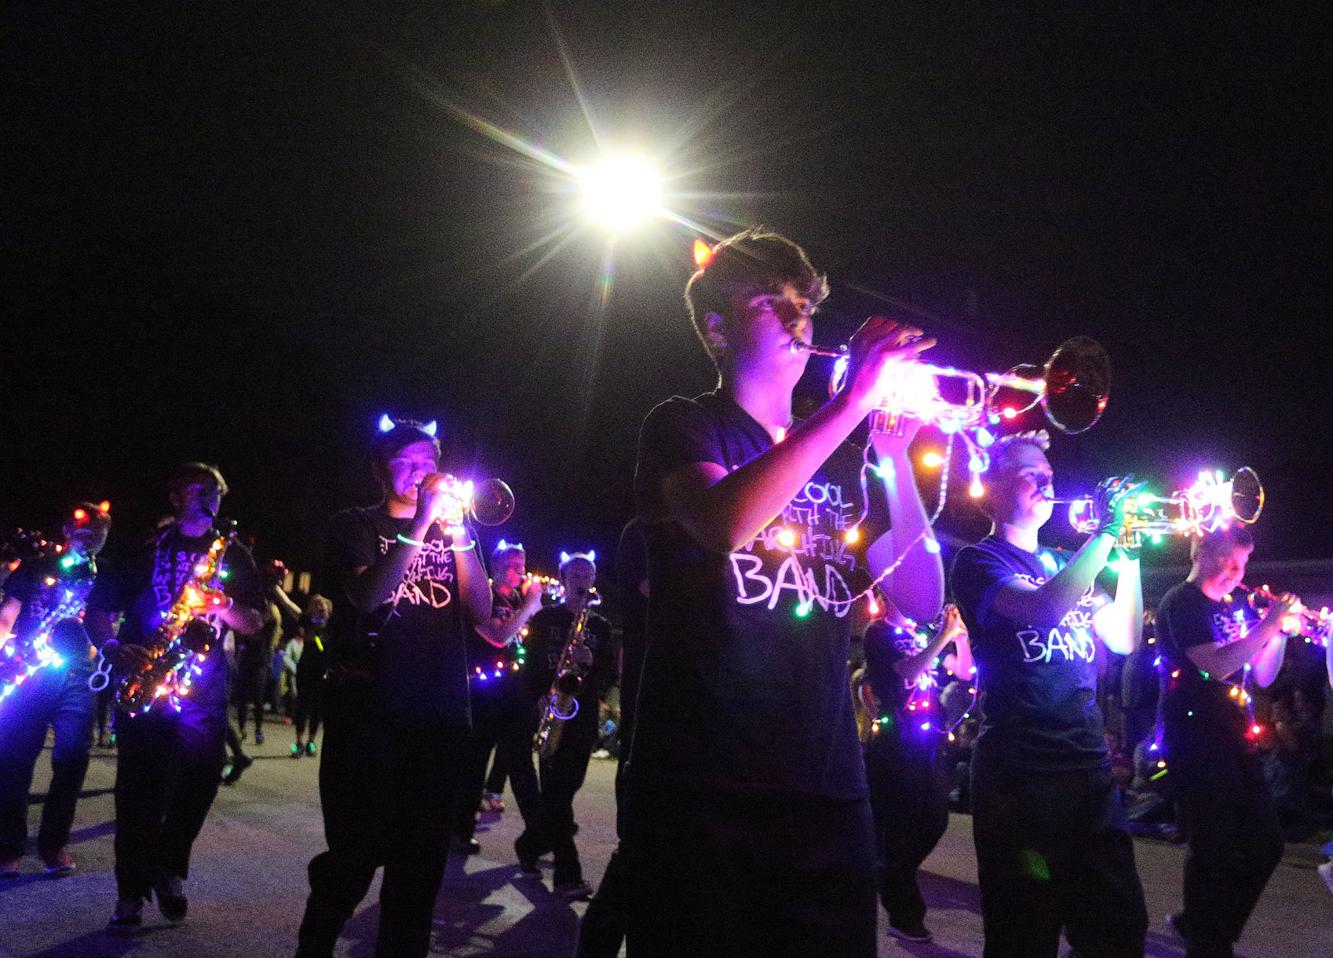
(238, 232)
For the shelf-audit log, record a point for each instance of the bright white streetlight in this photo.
(621, 191)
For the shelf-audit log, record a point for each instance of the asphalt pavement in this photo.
(247, 884)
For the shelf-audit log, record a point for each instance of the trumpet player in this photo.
(405, 581)
(561, 636)
(169, 762)
(747, 827)
(1052, 848)
(1235, 839)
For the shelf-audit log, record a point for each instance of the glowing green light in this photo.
(1034, 865)
(803, 609)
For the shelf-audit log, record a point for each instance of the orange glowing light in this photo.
(104, 505)
(932, 460)
(786, 538)
(80, 515)
(852, 535)
(703, 254)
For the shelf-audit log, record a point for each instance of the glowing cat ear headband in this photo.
(387, 424)
(567, 557)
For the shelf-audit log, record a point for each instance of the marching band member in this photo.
(501, 705)
(747, 828)
(169, 762)
(1052, 849)
(909, 792)
(57, 695)
(1235, 839)
(405, 580)
(563, 771)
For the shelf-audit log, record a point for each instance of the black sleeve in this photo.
(120, 580)
(976, 576)
(675, 434)
(242, 582)
(1187, 620)
(352, 544)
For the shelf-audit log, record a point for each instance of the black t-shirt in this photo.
(491, 669)
(58, 586)
(147, 585)
(738, 691)
(911, 719)
(631, 571)
(406, 659)
(314, 654)
(1038, 680)
(1186, 618)
(548, 631)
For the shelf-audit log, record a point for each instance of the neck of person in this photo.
(759, 391)
(193, 526)
(398, 507)
(1022, 536)
(1209, 587)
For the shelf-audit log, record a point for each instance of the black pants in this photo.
(513, 755)
(309, 706)
(248, 694)
(491, 708)
(719, 874)
(386, 789)
(1235, 839)
(562, 776)
(167, 773)
(1052, 853)
(910, 802)
(58, 698)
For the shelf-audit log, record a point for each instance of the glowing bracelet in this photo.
(574, 710)
(467, 548)
(410, 542)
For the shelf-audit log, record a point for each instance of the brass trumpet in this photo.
(1300, 620)
(1207, 505)
(1073, 388)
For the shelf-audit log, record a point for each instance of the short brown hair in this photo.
(190, 472)
(1234, 536)
(747, 264)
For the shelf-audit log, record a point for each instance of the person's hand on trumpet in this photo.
(878, 345)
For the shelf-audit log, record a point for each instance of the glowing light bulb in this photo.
(786, 538)
(931, 545)
(803, 609)
(781, 434)
(852, 535)
(975, 489)
(1009, 412)
(703, 254)
(621, 191)
(932, 460)
(873, 606)
(984, 437)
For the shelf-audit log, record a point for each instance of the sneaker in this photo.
(259, 737)
(9, 867)
(574, 891)
(297, 750)
(238, 766)
(1326, 873)
(601, 753)
(464, 846)
(310, 748)
(527, 862)
(127, 918)
(59, 863)
(171, 900)
(918, 933)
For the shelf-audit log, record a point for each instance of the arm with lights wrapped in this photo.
(916, 584)
(724, 510)
(500, 632)
(911, 668)
(1263, 648)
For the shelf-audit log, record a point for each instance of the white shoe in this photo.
(1326, 873)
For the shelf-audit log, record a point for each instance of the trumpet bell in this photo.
(1077, 381)
(492, 502)
(1247, 495)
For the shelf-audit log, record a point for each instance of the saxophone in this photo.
(182, 640)
(22, 659)
(561, 703)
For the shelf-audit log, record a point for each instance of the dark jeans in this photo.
(503, 720)
(59, 698)
(386, 788)
(602, 929)
(561, 777)
(1235, 839)
(1052, 853)
(248, 693)
(309, 706)
(910, 802)
(720, 874)
(168, 769)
